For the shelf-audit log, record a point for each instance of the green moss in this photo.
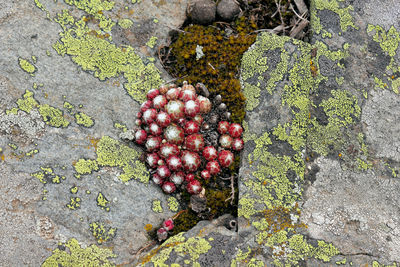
(156, 206)
(101, 232)
(84, 120)
(27, 66)
(125, 23)
(173, 204)
(53, 116)
(113, 153)
(102, 202)
(74, 203)
(86, 166)
(72, 254)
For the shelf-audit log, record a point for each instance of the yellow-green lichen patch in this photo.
(13, 146)
(102, 202)
(27, 102)
(101, 232)
(173, 204)
(125, 23)
(86, 166)
(341, 262)
(53, 116)
(92, 52)
(73, 190)
(152, 42)
(377, 264)
(31, 152)
(190, 249)
(84, 120)
(47, 175)
(26, 66)
(345, 18)
(120, 126)
(156, 206)
(72, 254)
(68, 106)
(113, 153)
(74, 203)
(389, 42)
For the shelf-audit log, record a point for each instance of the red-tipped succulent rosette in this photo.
(177, 178)
(194, 142)
(163, 119)
(168, 187)
(210, 153)
(168, 224)
(225, 158)
(213, 167)
(174, 163)
(194, 187)
(191, 161)
(223, 127)
(235, 130)
(191, 127)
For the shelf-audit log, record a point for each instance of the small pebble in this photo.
(228, 9)
(202, 11)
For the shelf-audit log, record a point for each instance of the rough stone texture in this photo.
(202, 11)
(228, 9)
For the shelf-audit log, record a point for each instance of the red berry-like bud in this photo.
(167, 150)
(146, 105)
(204, 104)
(168, 187)
(153, 143)
(235, 130)
(168, 224)
(152, 94)
(225, 158)
(162, 234)
(191, 161)
(155, 129)
(175, 109)
(210, 153)
(189, 177)
(191, 108)
(213, 167)
(225, 141)
(138, 122)
(163, 119)
(163, 171)
(194, 187)
(177, 178)
(205, 174)
(157, 179)
(174, 134)
(159, 101)
(223, 127)
(187, 95)
(194, 142)
(173, 94)
(238, 144)
(174, 163)
(152, 159)
(191, 127)
(140, 136)
(149, 115)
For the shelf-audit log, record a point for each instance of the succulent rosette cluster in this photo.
(167, 226)
(186, 136)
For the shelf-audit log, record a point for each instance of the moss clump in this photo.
(218, 68)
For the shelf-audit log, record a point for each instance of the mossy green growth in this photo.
(92, 52)
(84, 120)
(53, 116)
(72, 254)
(86, 166)
(27, 66)
(101, 232)
(156, 206)
(102, 202)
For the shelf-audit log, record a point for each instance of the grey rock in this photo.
(202, 11)
(228, 9)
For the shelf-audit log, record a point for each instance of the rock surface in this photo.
(319, 177)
